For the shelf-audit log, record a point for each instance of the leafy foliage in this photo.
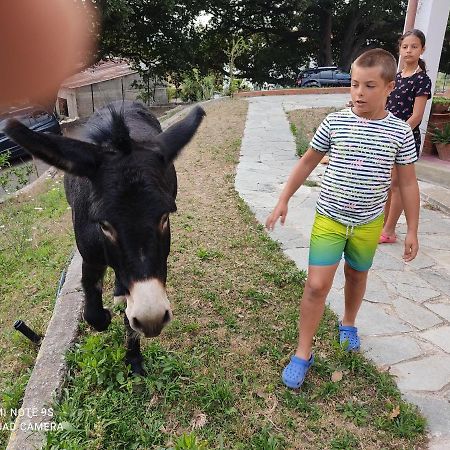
(197, 88)
(279, 37)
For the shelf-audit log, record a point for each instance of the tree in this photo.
(156, 35)
(363, 24)
(282, 36)
(236, 48)
(444, 63)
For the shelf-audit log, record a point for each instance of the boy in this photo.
(364, 142)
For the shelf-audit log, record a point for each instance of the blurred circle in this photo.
(42, 43)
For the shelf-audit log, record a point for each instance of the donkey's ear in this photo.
(76, 157)
(178, 135)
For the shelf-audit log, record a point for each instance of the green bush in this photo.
(439, 136)
(196, 88)
(172, 93)
(437, 100)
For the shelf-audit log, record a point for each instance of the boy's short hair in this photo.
(381, 58)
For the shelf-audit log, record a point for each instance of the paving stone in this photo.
(376, 290)
(423, 260)
(377, 320)
(290, 237)
(439, 442)
(395, 251)
(260, 199)
(402, 277)
(409, 285)
(335, 300)
(438, 278)
(388, 350)
(443, 309)
(436, 242)
(299, 256)
(437, 412)
(386, 261)
(339, 277)
(435, 225)
(439, 336)
(418, 376)
(444, 259)
(414, 314)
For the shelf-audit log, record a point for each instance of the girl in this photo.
(407, 101)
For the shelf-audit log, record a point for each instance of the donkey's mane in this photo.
(109, 125)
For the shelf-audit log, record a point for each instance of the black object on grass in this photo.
(19, 325)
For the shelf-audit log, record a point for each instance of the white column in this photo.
(431, 18)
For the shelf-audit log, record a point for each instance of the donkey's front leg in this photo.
(92, 282)
(120, 293)
(133, 356)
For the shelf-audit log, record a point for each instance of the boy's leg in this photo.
(359, 252)
(318, 284)
(354, 290)
(328, 239)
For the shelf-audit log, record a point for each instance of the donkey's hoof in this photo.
(136, 367)
(99, 321)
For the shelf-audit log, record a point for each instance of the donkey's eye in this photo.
(108, 230)
(164, 222)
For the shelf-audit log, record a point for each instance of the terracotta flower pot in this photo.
(443, 151)
(439, 108)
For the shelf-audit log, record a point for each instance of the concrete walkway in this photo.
(404, 321)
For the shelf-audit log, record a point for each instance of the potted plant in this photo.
(440, 105)
(441, 139)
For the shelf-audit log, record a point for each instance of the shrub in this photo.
(196, 88)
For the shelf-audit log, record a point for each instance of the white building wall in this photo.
(431, 18)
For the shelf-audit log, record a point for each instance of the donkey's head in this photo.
(133, 189)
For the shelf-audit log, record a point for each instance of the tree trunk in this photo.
(324, 57)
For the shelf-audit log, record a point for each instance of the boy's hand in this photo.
(280, 211)
(411, 247)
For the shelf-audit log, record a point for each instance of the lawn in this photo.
(214, 374)
(35, 244)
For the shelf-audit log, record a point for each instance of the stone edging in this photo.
(296, 91)
(50, 367)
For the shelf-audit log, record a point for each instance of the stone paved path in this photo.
(405, 318)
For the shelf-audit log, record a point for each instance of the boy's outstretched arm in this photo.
(409, 191)
(299, 174)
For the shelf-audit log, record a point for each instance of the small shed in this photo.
(83, 93)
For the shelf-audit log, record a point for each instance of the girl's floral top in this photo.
(401, 101)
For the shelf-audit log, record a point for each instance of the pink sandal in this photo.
(385, 239)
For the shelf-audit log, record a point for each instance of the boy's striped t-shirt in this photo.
(362, 153)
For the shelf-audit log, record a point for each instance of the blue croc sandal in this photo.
(294, 373)
(350, 335)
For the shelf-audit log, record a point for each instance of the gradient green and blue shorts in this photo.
(330, 239)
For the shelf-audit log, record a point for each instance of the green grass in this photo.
(301, 140)
(214, 373)
(35, 244)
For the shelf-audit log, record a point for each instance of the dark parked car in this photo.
(323, 76)
(35, 119)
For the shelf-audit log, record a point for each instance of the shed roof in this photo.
(103, 71)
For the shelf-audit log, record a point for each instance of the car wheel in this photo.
(312, 84)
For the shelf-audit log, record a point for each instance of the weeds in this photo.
(13, 178)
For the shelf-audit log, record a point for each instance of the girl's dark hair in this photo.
(418, 34)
